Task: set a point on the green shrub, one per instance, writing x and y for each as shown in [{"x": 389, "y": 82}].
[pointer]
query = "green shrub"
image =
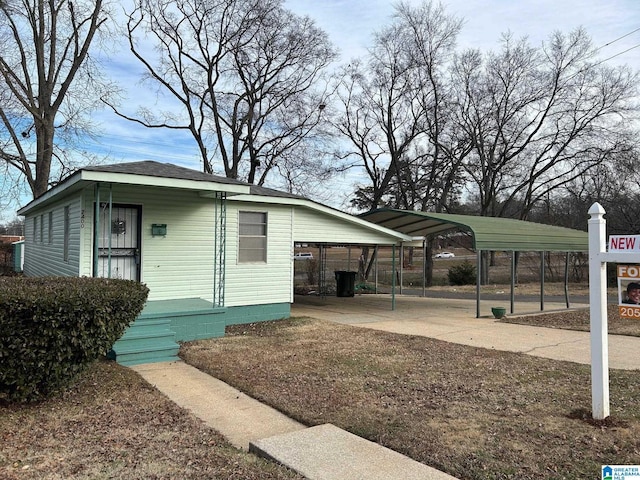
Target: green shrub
[
  {"x": 364, "y": 287},
  {"x": 51, "y": 328},
  {"x": 462, "y": 274}
]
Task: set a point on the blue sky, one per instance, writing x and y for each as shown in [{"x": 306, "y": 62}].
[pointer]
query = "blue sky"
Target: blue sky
[{"x": 350, "y": 24}]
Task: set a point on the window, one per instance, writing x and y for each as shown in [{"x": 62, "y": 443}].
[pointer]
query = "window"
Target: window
[
  {"x": 35, "y": 229},
  {"x": 50, "y": 233},
  {"x": 67, "y": 225},
  {"x": 41, "y": 228},
  {"x": 252, "y": 238}
]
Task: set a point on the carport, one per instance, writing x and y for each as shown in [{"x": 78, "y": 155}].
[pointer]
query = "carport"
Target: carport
[{"x": 490, "y": 234}]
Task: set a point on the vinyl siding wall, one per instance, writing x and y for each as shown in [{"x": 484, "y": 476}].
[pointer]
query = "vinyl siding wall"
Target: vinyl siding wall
[
  {"x": 314, "y": 226},
  {"x": 44, "y": 256},
  {"x": 260, "y": 283},
  {"x": 179, "y": 265}
]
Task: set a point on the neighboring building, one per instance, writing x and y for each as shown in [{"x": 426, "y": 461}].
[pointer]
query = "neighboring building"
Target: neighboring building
[
  {"x": 213, "y": 251},
  {"x": 10, "y": 253},
  {"x": 9, "y": 239}
]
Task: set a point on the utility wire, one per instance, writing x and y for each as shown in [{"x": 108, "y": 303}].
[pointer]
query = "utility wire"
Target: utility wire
[
  {"x": 617, "y": 39},
  {"x": 617, "y": 54}
]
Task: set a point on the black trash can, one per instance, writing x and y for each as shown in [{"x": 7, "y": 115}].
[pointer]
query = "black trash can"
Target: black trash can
[{"x": 345, "y": 283}]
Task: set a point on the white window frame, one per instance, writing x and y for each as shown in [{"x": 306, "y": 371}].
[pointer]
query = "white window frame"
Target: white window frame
[{"x": 247, "y": 254}]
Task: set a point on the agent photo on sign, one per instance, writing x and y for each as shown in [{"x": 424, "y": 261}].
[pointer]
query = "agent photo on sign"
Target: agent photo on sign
[{"x": 633, "y": 294}]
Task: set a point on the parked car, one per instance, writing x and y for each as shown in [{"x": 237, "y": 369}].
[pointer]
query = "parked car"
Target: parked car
[
  {"x": 445, "y": 255},
  {"x": 303, "y": 256}
]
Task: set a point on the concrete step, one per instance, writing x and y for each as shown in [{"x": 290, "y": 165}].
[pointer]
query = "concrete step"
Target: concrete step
[{"x": 146, "y": 341}]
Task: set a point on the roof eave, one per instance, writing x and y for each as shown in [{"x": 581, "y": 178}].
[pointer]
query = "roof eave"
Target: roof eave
[
  {"x": 83, "y": 178},
  {"x": 67, "y": 186},
  {"x": 152, "y": 181}
]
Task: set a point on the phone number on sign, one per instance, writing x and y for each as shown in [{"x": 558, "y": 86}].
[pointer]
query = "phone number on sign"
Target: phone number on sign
[{"x": 629, "y": 311}]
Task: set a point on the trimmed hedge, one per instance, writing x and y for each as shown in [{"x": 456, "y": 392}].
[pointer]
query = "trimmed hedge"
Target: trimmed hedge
[{"x": 51, "y": 328}]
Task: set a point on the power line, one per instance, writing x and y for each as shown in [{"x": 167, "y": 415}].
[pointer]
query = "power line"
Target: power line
[
  {"x": 617, "y": 39},
  {"x": 618, "y": 54}
]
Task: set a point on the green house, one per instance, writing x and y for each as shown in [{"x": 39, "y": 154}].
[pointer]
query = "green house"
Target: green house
[{"x": 213, "y": 251}]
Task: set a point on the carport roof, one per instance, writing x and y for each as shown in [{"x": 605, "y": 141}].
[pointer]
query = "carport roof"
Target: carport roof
[{"x": 489, "y": 233}]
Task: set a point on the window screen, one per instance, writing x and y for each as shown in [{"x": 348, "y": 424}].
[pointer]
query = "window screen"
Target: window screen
[
  {"x": 252, "y": 239},
  {"x": 66, "y": 234}
]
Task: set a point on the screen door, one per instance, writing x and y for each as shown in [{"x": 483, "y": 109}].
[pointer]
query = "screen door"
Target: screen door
[{"x": 119, "y": 242}]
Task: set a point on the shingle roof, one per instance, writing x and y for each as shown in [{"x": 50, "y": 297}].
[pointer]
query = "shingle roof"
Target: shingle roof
[
  {"x": 164, "y": 170},
  {"x": 168, "y": 170},
  {"x": 270, "y": 192}
]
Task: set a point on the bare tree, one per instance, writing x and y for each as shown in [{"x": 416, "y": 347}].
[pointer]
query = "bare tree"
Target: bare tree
[
  {"x": 398, "y": 116},
  {"x": 46, "y": 83},
  {"x": 246, "y": 76},
  {"x": 397, "y": 113},
  {"x": 614, "y": 184},
  {"x": 381, "y": 117},
  {"x": 434, "y": 169},
  {"x": 539, "y": 118}
]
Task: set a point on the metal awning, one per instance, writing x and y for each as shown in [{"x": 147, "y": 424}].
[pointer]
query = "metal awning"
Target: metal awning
[{"x": 489, "y": 233}]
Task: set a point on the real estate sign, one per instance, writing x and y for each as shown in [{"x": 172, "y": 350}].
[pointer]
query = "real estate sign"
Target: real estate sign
[{"x": 628, "y": 276}]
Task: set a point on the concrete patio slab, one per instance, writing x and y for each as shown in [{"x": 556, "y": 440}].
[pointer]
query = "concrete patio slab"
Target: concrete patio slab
[
  {"x": 454, "y": 320},
  {"x": 326, "y": 452}
]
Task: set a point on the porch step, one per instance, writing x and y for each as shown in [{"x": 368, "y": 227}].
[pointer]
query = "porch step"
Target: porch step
[
  {"x": 146, "y": 341},
  {"x": 151, "y": 354}
]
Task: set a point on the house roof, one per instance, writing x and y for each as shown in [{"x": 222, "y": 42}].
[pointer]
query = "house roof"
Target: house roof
[
  {"x": 165, "y": 175},
  {"x": 148, "y": 173},
  {"x": 168, "y": 170},
  {"x": 489, "y": 233},
  {"x": 153, "y": 173},
  {"x": 161, "y": 170}
]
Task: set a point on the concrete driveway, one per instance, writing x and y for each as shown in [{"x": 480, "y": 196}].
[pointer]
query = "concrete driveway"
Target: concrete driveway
[{"x": 454, "y": 320}]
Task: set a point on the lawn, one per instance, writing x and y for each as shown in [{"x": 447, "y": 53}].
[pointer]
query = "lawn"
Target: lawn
[
  {"x": 579, "y": 320},
  {"x": 471, "y": 412},
  {"x": 113, "y": 425}
]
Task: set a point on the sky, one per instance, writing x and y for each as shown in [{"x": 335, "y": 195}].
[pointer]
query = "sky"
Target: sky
[{"x": 350, "y": 24}]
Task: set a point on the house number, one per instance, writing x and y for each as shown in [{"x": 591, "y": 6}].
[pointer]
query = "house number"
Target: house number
[{"x": 82, "y": 219}]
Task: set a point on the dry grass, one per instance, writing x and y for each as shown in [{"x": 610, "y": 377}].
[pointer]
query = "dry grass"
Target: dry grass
[
  {"x": 474, "y": 413},
  {"x": 114, "y": 425},
  {"x": 579, "y": 320}
]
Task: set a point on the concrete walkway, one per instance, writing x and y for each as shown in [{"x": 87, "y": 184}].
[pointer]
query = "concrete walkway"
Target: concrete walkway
[
  {"x": 326, "y": 452},
  {"x": 239, "y": 417},
  {"x": 323, "y": 452}
]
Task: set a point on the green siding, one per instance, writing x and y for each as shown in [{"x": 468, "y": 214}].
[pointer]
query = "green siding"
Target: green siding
[
  {"x": 44, "y": 257},
  {"x": 180, "y": 264},
  {"x": 257, "y": 313},
  {"x": 18, "y": 249},
  {"x": 162, "y": 323}
]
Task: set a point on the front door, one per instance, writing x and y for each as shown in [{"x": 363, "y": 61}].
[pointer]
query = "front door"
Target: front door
[{"x": 119, "y": 242}]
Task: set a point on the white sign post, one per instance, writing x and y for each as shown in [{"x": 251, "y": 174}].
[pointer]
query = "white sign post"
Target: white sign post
[
  {"x": 598, "y": 313},
  {"x": 622, "y": 249}
]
